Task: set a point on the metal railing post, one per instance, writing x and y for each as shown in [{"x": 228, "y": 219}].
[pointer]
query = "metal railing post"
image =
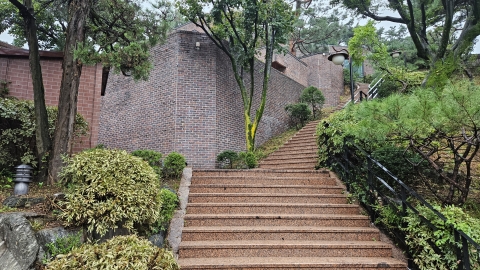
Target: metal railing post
[{"x": 371, "y": 189}]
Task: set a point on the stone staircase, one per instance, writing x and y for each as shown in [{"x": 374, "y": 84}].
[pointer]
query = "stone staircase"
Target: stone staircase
[
  {"x": 284, "y": 215},
  {"x": 299, "y": 153}
]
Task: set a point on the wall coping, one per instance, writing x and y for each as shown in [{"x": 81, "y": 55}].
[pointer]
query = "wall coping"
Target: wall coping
[{"x": 24, "y": 53}]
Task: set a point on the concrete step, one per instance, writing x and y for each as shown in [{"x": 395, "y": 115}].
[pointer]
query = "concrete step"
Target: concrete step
[
  {"x": 305, "y": 138},
  {"x": 289, "y": 156},
  {"x": 291, "y": 189},
  {"x": 293, "y": 166},
  {"x": 209, "y": 180},
  {"x": 301, "y": 143},
  {"x": 266, "y": 198},
  {"x": 271, "y": 208},
  {"x": 252, "y": 220},
  {"x": 294, "y": 153},
  {"x": 290, "y": 147},
  {"x": 280, "y": 233},
  {"x": 260, "y": 173},
  {"x": 283, "y": 248},
  {"x": 292, "y": 263},
  {"x": 275, "y": 161}
]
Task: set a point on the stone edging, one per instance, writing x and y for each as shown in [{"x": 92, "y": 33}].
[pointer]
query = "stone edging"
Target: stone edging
[{"x": 176, "y": 224}]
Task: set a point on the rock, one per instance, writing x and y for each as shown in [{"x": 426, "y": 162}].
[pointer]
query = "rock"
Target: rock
[
  {"x": 16, "y": 201},
  {"x": 18, "y": 245},
  {"x": 47, "y": 236},
  {"x": 158, "y": 239}
]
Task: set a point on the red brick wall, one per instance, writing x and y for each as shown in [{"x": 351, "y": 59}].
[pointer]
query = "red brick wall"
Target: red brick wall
[
  {"x": 326, "y": 76},
  {"x": 16, "y": 71}
]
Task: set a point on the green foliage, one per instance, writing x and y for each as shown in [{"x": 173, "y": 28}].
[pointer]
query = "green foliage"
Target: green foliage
[
  {"x": 433, "y": 123},
  {"x": 169, "y": 204},
  {"x": 173, "y": 165},
  {"x": 227, "y": 157},
  {"x": 365, "y": 40},
  {"x": 403, "y": 164},
  {"x": 6, "y": 209},
  {"x": 247, "y": 159},
  {"x": 62, "y": 245},
  {"x": 118, "y": 253},
  {"x": 4, "y": 88},
  {"x": 314, "y": 97},
  {"x": 153, "y": 158},
  {"x": 419, "y": 235},
  {"x": 318, "y": 25},
  {"x": 109, "y": 187},
  {"x": 6, "y": 179},
  {"x": 17, "y": 139},
  {"x": 299, "y": 114}
]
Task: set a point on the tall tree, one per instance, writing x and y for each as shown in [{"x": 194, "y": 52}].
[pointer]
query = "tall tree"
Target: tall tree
[
  {"x": 240, "y": 29},
  {"x": 442, "y": 31},
  {"x": 42, "y": 138},
  {"x": 117, "y": 33},
  {"x": 318, "y": 25}
]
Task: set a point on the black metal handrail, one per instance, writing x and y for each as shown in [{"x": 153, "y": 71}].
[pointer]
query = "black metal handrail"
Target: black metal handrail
[{"x": 345, "y": 165}]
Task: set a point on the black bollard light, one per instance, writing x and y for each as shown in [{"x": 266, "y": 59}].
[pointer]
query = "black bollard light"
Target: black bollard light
[{"x": 22, "y": 178}]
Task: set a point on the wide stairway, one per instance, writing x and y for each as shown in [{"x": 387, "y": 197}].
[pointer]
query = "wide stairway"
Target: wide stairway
[{"x": 277, "y": 219}]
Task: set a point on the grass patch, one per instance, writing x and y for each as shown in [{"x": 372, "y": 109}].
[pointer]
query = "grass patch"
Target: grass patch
[{"x": 273, "y": 144}]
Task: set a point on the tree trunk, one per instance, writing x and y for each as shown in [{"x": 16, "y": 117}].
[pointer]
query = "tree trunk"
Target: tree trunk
[
  {"x": 67, "y": 103},
  {"x": 42, "y": 138}
]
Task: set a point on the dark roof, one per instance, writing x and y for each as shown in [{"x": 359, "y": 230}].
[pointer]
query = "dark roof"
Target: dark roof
[
  {"x": 6, "y": 45},
  {"x": 19, "y": 52}
]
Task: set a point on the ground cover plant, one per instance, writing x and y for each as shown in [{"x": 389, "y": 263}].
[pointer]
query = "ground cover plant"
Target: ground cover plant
[{"x": 118, "y": 253}]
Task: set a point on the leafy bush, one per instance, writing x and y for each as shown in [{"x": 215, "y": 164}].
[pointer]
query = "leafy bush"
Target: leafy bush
[
  {"x": 173, "y": 165},
  {"x": 405, "y": 165},
  {"x": 248, "y": 160},
  {"x": 299, "y": 114},
  {"x": 314, "y": 97},
  {"x": 419, "y": 235},
  {"x": 62, "y": 245},
  {"x": 437, "y": 124},
  {"x": 153, "y": 158},
  {"x": 107, "y": 188},
  {"x": 118, "y": 253},
  {"x": 6, "y": 179},
  {"x": 17, "y": 139},
  {"x": 169, "y": 204},
  {"x": 227, "y": 157}
]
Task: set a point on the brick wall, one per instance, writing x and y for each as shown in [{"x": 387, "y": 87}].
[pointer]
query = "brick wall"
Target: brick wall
[
  {"x": 15, "y": 70},
  {"x": 141, "y": 115},
  {"x": 326, "y": 76},
  {"x": 190, "y": 104}
]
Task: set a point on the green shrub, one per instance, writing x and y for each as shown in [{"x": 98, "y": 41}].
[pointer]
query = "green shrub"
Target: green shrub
[
  {"x": 107, "y": 188},
  {"x": 6, "y": 179},
  {"x": 153, "y": 158},
  {"x": 17, "y": 139},
  {"x": 62, "y": 245},
  {"x": 299, "y": 114},
  {"x": 419, "y": 235},
  {"x": 169, "y": 204},
  {"x": 314, "y": 97},
  {"x": 227, "y": 157},
  {"x": 173, "y": 165},
  {"x": 248, "y": 159},
  {"x": 405, "y": 165},
  {"x": 118, "y": 253}
]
